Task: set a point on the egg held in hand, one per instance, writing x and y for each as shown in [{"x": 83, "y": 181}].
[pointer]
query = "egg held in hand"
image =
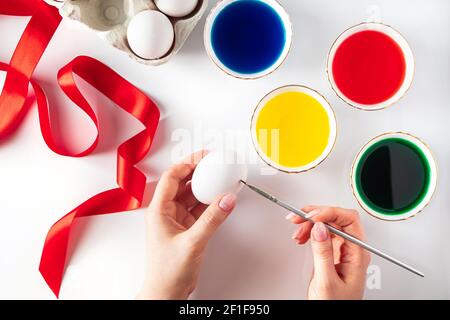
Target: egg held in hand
[
  {"x": 150, "y": 34},
  {"x": 218, "y": 173}
]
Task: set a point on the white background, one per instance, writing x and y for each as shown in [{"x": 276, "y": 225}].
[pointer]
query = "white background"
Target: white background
[{"x": 252, "y": 256}]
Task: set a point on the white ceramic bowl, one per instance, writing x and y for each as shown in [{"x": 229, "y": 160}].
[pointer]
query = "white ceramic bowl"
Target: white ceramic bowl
[
  {"x": 331, "y": 117},
  {"x": 407, "y": 53},
  {"x": 209, "y": 49},
  {"x": 432, "y": 183}
]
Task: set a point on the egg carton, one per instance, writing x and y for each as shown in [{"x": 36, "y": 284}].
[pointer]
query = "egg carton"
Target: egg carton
[{"x": 110, "y": 19}]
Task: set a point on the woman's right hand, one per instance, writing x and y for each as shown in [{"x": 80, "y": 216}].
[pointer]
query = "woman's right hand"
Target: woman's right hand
[{"x": 339, "y": 266}]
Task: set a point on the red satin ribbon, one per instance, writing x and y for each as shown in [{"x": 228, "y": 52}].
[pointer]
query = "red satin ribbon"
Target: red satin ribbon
[{"x": 131, "y": 182}]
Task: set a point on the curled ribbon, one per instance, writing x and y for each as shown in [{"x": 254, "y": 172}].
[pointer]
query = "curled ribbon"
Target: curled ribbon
[{"x": 131, "y": 181}]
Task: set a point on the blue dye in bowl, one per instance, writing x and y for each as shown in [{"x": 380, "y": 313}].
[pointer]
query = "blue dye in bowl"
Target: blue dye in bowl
[{"x": 248, "y": 36}]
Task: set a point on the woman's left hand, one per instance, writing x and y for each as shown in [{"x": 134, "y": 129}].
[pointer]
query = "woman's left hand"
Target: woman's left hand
[{"x": 179, "y": 229}]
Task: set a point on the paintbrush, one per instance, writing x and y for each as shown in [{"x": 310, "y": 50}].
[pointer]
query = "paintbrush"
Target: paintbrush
[{"x": 334, "y": 230}]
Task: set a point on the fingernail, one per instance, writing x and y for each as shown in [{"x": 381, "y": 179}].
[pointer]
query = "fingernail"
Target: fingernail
[
  {"x": 319, "y": 232},
  {"x": 297, "y": 232},
  {"x": 290, "y": 216},
  {"x": 227, "y": 202},
  {"x": 313, "y": 213}
]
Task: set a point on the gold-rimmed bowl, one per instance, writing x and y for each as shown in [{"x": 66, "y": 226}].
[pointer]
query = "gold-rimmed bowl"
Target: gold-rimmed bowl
[
  {"x": 425, "y": 198},
  {"x": 281, "y": 12},
  {"x": 331, "y": 120},
  {"x": 401, "y": 42}
]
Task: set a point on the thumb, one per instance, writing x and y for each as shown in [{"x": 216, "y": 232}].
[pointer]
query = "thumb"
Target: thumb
[
  {"x": 322, "y": 249},
  {"x": 211, "y": 219}
]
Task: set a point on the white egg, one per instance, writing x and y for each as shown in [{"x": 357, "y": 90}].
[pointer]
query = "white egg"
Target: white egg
[
  {"x": 176, "y": 8},
  {"x": 150, "y": 34},
  {"x": 218, "y": 173}
]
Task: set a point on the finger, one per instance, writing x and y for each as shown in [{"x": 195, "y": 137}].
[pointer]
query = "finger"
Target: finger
[
  {"x": 347, "y": 220},
  {"x": 170, "y": 181},
  {"x": 310, "y": 208},
  {"x": 210, "y": 220},
  {"x": 297, "y": 232},
  {"x": 195, "y": 157},
  {"x": 184, "y": 185},
  {"x": 198, "y": 210},
  {"x": 180, "y": 213},
  {"x": 337, "y": 249},
  {"x": 296, "y": 219},
  {"x": 168, "y": 185},
  {"x": 322, "y": 248},
  {"x": 189, "y": 221},
  {"x": 187, "y": 198},
  {"x": 305, "y": 236},
  {"x": 301, "y": 234}
]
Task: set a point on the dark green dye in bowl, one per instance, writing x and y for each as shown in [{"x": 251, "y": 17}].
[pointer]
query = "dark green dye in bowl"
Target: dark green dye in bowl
[{"x": 392, "y": 176}]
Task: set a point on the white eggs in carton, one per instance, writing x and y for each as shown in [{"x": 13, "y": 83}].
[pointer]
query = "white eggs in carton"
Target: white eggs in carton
[{"x": 151, "y": 32}]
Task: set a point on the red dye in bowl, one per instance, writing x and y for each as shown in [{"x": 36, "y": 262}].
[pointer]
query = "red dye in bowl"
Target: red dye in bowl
[{"x": 369, "y": 67}]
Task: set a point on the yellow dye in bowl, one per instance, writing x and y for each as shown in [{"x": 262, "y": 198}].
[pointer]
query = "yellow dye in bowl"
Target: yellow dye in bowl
[{"x": 293, "y": 128}]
